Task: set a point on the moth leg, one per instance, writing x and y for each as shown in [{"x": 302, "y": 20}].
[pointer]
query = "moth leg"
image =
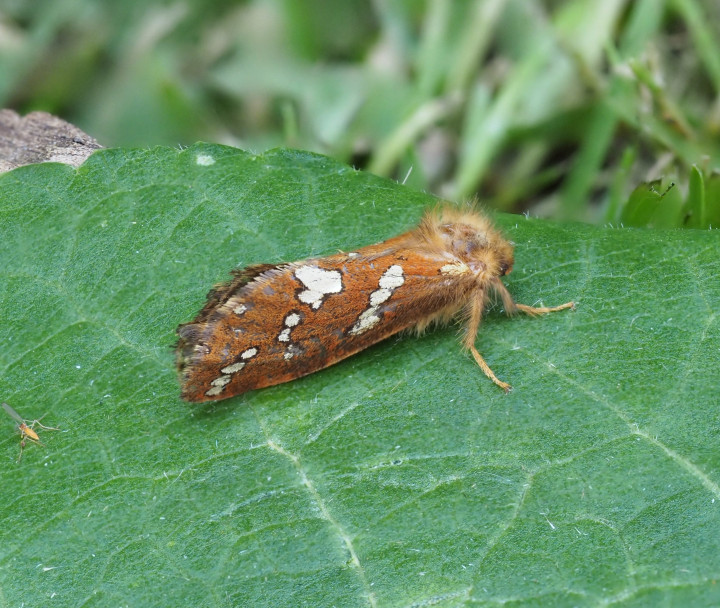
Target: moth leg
[
  {"x": 473, "y": 324},
  {"x": 511, "y": 307},
  {"x": 488, "y": 372},
  {"x": 541, "y": 310}
]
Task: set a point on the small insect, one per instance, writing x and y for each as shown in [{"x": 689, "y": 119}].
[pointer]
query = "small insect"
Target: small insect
[
  {"x": 275, "y": 323},
  {"x": 26, "y": 432}
]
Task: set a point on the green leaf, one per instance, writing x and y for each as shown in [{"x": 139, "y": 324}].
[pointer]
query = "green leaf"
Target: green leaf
[
  {"x": 712, "y": 199},
  {"x": 702, "y": 207},
  {"x": 656, "y": 204},
  {"x": 695, "y": 203},
  {"x": 401, "y": 476}
]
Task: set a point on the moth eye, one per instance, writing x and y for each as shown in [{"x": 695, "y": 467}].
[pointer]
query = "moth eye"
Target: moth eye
[
  {"x": 471, "y": 246},
  {"x": 505, "y": 268}
]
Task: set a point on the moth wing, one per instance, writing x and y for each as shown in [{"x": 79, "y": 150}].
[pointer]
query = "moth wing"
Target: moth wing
[
  {"x": 289, "y": 321},
  {"x": 221, "y": 292}
]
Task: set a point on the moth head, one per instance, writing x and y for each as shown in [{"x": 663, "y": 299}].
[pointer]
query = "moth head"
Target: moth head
[
  {"x": 500, "y": 257},
  {"x": 505, "y": 267},
  {"x": 479, "y": 245}
]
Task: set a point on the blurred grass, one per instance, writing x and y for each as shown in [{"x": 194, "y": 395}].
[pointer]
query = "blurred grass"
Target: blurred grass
[{"x": 578, "y": 110}]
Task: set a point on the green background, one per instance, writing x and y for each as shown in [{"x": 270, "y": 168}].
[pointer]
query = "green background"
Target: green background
[
  {"x": 399, "y": 477},
  {"x": 558, "y": 107}
]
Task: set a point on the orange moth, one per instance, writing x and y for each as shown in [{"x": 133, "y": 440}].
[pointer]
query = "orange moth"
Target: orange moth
[
  {"x": 275, "y": 323},
  {"x": 26, "y": 432}
]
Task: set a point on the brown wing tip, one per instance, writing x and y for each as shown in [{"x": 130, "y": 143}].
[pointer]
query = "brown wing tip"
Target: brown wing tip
[{"x": 187, "y": 352}]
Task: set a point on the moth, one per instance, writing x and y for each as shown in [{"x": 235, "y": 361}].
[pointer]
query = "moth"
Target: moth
[
  {"x": 274, "y": 323},
  {"x": 26, "y": 432}
]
